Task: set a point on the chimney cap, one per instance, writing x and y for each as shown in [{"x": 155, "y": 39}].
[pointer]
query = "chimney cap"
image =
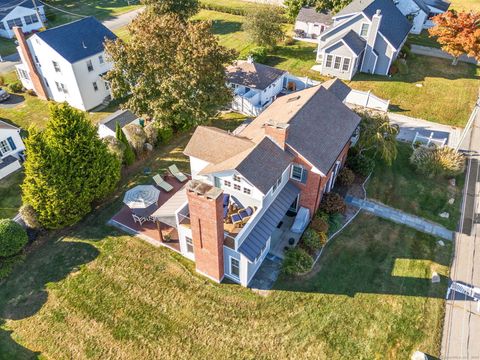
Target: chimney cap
[
  {"x": 202, "y": 189},
  {"x": 378, "y": 12},
  {"x": 277, "y": 125}
]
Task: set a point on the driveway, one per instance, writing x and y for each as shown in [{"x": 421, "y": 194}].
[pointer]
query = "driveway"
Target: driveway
[
  {"x": 429, "y": 51},
  {"x": 116, "y": 23}
]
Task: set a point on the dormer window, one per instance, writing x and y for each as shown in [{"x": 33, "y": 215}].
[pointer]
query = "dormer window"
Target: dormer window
[
  {"x": 364, "y": 30},
  {"x": 89, "y": 66}
]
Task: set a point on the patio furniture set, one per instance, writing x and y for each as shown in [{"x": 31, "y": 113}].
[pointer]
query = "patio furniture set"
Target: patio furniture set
[
  {"x": 233, "y": 214},
  {"x": 143, "y": 199}
]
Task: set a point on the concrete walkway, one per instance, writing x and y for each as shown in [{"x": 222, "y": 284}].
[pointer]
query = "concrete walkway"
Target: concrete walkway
[
  {"x": 116, "y": 23},
  {"x": 439, "y": 53},
  {"x": 400, "y": 217},
  {"x": 409, "y": 126}
]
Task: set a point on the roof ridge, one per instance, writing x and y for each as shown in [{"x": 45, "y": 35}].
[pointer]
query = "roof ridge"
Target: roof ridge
[{"x": 69, "y": 23}]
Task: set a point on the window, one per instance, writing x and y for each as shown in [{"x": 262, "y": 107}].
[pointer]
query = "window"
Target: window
[
  {"x": 2, "y": 25},
  {"x": 89, "y": 66},
  {"x": 100, "y": 59},
  {"x": 14, "y": 22},
  {"x": 338, "y": 60},
  {"x": 189, "y": 244},
  {"x": 107, "y": 86},
  {"x": 247, "y": 191},
  {"x": 36, "y": 60},
  {"x": 4, "y": 147},
  {"x": 95, "y": 86},
  {"x": 346, "y": 64},
  {"x": 237, "y": 187},
  {"x": 236, "y": 178},
  {"x": 23, "y": 74},
  {"x": 299, "y": 173},
  {"x": 46, "y": 82},
  {"x": 364, "y": 30},
  {"x": 56, "y": 66},
  {"x": 328, "y": 63},
  {"x": 234, "y": 267},
  {"x": 227, "y": 183},
  {"x": 31, "y": 19},
  {"x": 61, "y": 87},
  {"x": 277, "y": 184}
]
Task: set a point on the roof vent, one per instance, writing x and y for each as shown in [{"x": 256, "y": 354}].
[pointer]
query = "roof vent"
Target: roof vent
[
  {"x": 295, "y": 98},
  {"x": 83, "y": 44}
]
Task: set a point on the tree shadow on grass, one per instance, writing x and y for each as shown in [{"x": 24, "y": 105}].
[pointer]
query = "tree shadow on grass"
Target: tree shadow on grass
[
  {"x": 222, "y": 27},
  {"x": 10, "y": 349}
]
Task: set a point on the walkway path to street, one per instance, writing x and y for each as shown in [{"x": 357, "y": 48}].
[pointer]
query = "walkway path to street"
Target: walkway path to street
[
  {"x": 439, "y": 53},
  {"x": 113, "y": 24},
  {"x": 400, "y": 217}
]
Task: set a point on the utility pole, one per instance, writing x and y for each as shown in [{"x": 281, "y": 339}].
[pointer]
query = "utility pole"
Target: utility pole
[{"x": 38, "y": 13}]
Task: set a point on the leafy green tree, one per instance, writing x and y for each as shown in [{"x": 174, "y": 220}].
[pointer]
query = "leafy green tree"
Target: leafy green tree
[
  {"x": 334, "y": 5},
  {"x": 264, "y": 25},
  {"x": 13, "y": 237},
  {"x": 128, "y": 153},
  {"x": 294, "y": 6},
  {"x": 378, "y": 136},
  {"x": 184, "y": 9},
  {"x": 67, "y": 168},
  {"x": 171, "y": 71}
]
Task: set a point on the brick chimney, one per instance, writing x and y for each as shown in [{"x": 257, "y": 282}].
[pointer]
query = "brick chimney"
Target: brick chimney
[
  {"x": 278, "y": 132},
  {"x": 35, "y": 77},
  {"x": 205, "y": 203}
]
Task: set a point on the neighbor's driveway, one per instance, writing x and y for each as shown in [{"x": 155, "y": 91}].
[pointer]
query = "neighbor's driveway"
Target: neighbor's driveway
[{"x": 439, "y": 53}]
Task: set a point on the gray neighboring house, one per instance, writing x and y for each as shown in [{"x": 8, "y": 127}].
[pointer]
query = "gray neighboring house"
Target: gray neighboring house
[
  {"x": 420, "y": 12},
  {"x": 310, "y": 23},
  {"x": 366, "y": 36}
]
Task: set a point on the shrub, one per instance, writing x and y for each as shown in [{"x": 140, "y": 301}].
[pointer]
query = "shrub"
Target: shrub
[
  {"x": 332, "y": 203},
  {"x": 29, "y": 216},
  {"x": 288, "y": 41},
  {"x": 31, "y": 92},
  {"x": 13, "y": 238},
  {"x": 360, "y": 164},
  {"x": 438, "y": 161},
  {"x": 136, "y": 137},
  {"x": 165, "y": 134},
  {"x": 2, "y": 81},
  {"x": 402, "y": 66},
  {"x": 152, "y": 133},
  {"x": 15, "y": 87},
  {"x": 259, "y": 54},
  {"x": 346, "y": 177},
  {"x": 335, "y": 222},
  {"x": 115, "y": 147},
  {"x": 296, "y": 261},
  {"x": 320, "y": 224},
  {"x": 311, "y": 240}
]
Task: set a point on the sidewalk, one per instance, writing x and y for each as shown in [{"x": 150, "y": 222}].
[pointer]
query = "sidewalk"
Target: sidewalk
[
  {"x": 401, "y": 217},
  {"x": 429, "y": 51}
]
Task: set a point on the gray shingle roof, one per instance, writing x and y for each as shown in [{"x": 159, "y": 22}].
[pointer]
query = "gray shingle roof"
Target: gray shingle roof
[
  {"x": 77, "y": 40},
  {"x": 421, "y": 4},
  {"x": 321, "y": 128},
  {"x": 338, "y": 88},
  {"x": 354, "y": 42},
  {"x": 6, "y": 6},
  {"x": 439, "y": 4},
  {"x": 252, "y": 74},
  {"x": 123, "y": 117},
  {"x": 256, "y": 241},
  {"x": 7, "y": 161},
  {"x": 394, "y": 26},
  {"x": 311, "y": 15}
]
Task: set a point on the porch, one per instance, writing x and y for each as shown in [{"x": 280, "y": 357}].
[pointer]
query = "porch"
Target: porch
[{"x": 282, "y": 237}]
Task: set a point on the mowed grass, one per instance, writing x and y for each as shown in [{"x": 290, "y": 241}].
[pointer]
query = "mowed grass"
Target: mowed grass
[
  {"x": 401, "y": 187},
  {"x": 10, "y": 194},
  {"x": 465, "y": 5},
  {"x": 97, "y": 293},
  {"x": 7, "y": 46},
  {"x": 447, "y": 93}
]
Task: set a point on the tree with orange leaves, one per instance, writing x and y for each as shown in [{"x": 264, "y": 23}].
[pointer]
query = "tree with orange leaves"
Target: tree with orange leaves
[{"x": 458, "y": 33}]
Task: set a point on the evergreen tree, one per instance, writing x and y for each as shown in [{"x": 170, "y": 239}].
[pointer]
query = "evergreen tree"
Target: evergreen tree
[
  {"x": 128, "y": 154},
  {"x": 68, "y": 168}
]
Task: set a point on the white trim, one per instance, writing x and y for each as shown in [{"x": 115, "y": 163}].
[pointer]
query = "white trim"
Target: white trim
[
  {"x": 324, "y": 34},
  {"x": 230, "y": 268},
  {"x": 368, "y": 29}
]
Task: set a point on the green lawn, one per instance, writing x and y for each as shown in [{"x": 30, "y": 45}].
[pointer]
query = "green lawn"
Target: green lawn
[
  {"x": 401, "y": 187},
  {"x": 97, "y": 293},
  {"x": 423, "y": 39},
  {"x": 10, "y": 196},
  {"x": 7, "y": 47}
]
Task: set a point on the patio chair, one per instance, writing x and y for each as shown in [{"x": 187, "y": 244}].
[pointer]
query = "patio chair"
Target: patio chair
[
  {"x": 246, "y": 214},
  {"x": 236, "y": 219},
  {"x": 138, "y": 219},
  {"x": 161, "y": 183},
  {"x": 177, "y": 173}
]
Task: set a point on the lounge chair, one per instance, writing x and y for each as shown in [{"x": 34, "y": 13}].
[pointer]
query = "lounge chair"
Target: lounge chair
[
  {"x": 161, "y": 183},
  {"x": 246, "y": 214},
  {"x": 138, "y": 219},
  {"x": 236, "y": 219},
  {"x": 177, "y": 173}
]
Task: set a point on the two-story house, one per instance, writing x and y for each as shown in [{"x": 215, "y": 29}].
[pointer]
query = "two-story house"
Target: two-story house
[
  {"x": 11, "y": 149},
  {"x": 419, "y": 12},
  {"x": 21, "y": 13},
  {"x": 66, "y": 63},
  {"x": 254, "y": 85},
  {"x": 366, "y": 36},
  {"x": 287, "y": 158}
]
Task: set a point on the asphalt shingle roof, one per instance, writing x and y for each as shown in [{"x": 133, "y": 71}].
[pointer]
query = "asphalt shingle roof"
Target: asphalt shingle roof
[
  {"x": 338, "y": 88},
  {"x": 77, "y": 40},
  {"x": 421, "y": 4},
  {"x": 394, "y": 26},
  {"x": 439, "y": 4},
  {"x": 122, "y": 117},
  {"x": 354, "y": 42},
  {"x": 252, "y": 74},
  {"x": 6, "y": 6},
  {"x": 311, "y": 15}
]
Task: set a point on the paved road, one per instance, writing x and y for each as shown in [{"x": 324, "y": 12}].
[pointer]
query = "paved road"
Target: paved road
[
  {"x": 113, "y": 24},
  {"x": 429, "y": 51},
  {"x": 461, "y": 334},
  {"x": 400, "y": 217}
]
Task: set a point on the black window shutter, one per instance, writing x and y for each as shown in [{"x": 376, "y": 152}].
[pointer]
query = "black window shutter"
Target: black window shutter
[{"x": 12, "y": 143}]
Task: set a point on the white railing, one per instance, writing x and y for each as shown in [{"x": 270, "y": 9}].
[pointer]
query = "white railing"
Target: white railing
[
  {"x": 367, "y": 100},
  {"x": 244, "y": 106}
]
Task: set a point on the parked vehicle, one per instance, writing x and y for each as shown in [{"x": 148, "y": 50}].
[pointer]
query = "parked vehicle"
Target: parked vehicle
[{"x": 4, "y": 95}]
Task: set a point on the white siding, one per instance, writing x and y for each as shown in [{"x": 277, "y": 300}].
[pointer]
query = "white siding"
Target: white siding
[
  {"x": 7, "y": 170},
  {"x": 21, "y": 12},
  {"x": 15, "y": 135},
  {"x": 408, "y": 7},
  {"x": 104, "y": 131}
]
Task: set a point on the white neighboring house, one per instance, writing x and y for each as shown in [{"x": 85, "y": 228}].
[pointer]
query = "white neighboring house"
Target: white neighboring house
[
  {"x": 20, "y": 13},
  {"x": 66, "y": 63},
  {"x": 123, "y": 117},
  {"x": 255, "y": 86},
  {"x": 419, "y": 12},
  {"x": 310, "y": 23},
  {"x": 11, "y": 149}
]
